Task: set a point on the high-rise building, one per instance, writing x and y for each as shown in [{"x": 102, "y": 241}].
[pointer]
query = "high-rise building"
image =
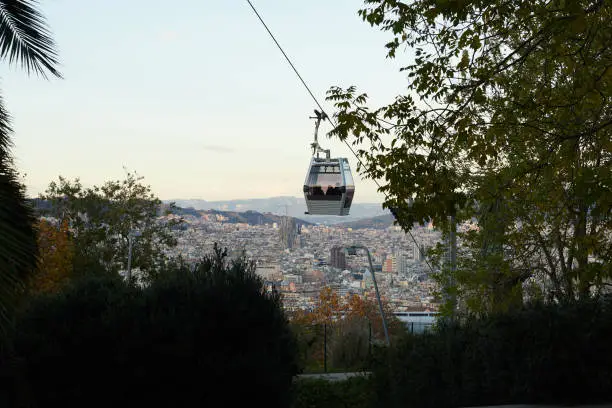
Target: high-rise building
[
  {"x": 402, "y": 264},
  {"x": 388, "y": 265},
  {"x": 422, "y": 253},
  {"x": 299, "y": 238},
  {"x": 288, "y": 232},
  {"x": 338, "y": 257}
]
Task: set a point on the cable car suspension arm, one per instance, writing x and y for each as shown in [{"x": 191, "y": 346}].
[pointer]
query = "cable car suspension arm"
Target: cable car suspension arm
[{"x": 316, "y": 148}]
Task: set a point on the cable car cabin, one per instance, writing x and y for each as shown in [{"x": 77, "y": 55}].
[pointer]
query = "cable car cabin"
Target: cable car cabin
[{"x": 329, "y": 187}]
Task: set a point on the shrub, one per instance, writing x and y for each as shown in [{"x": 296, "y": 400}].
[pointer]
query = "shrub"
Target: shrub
[
  {"x": 207, "y": 337},
  {"x": 349, "y": 344},
  {"x": 549, "y": 354},
  {"x": 346, "y": 342},
  {"x": 310, "y": 344},
  {"x": 354, "y": 392}
]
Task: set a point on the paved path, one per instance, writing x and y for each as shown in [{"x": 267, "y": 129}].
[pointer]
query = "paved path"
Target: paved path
[{"x": 333, "y": 376}]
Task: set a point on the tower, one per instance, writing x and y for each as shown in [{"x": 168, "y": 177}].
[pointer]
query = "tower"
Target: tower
[
  {"x": 338, "y": 257},
  {"x": 288, "y": 232}
]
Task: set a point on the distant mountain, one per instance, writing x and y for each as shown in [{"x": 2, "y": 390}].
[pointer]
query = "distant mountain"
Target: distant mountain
[
  {"x": 292, "y": 206},
  {"x": 235, "y": 217},
  {"x": 380, "y": 222},
  {"x": 246, "y": 217}
]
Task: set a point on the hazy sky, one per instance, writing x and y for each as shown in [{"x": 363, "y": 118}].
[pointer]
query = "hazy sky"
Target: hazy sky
[{"x": 195, "y": 96}]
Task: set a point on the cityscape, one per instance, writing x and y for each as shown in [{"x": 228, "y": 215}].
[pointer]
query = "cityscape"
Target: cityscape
[{"x": 300, "y": 258}]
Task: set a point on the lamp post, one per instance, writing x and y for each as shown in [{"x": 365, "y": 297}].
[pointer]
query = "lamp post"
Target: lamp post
[
  {"x": 352, "y": 251},
  {"x": 132, "y": 234}
]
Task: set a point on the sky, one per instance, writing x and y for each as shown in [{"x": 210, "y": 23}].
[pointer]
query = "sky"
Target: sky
[{"x": 196, "y": 97}]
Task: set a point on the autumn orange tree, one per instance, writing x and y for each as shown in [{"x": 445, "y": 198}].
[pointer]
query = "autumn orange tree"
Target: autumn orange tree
[
  {"x": 328, "y": 309},
  {"x": 331, "y": 307},
  {"x": 367, "y": 308},
  {"x": 56, "y": 254},
  {"x": 311, "y": 327},
  {"x": 345, "y": 324}
]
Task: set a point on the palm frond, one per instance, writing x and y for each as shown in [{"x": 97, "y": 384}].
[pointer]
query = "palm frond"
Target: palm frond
[
  {"x": 18, "y": 249},
  {"x": 25, "y": 39},
  {"x": 5, "y": 134}
]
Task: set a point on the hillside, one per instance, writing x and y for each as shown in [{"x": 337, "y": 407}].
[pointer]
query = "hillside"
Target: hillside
[
  {"x": 380, "y": 222},
  {"x": 236, "y": 217},
  {"x": 292, "y": 206},
  {"x": 232, "y": 217}
]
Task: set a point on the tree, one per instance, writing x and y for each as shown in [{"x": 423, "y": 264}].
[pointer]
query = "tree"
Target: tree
[
  {"x": 343, "y": 327},
  {"x": 356, "y": 306},
  {"x": 101, "y": 219},
  {"x": 184, "y": 340},
  {"x": 332, "y": 308},
  {"x": 507, "y": 120},
  {"x": 24, "y": 39},
  {"x": 56, "y": 253},
  {"x": 329, "y": 307}
]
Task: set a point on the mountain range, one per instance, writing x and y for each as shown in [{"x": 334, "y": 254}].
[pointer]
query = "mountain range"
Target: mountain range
[
  {"x": 291, "y": 206},
  {"x": 270, "y": 210},
  {"x": 234, "y": 217}
]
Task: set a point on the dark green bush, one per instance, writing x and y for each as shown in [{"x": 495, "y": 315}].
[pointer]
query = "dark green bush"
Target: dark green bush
[
  {"x": 346, "y": 343},
  {"x": 209, "y": 337},
  {"x": 551, "y": 354},
  {"x": 355, "y": 392}
]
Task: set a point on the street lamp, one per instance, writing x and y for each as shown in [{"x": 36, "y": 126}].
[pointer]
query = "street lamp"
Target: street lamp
[
  {"x": 132, "y": 234},
  {"x": 352, "y": 250}
]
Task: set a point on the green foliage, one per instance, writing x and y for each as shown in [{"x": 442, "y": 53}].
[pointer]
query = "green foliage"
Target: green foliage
[
  {"x": 506, "y": 120},
  {"x": 189, "y": 339},
  {"x": 355, "y": 392},
  {"x": 350, "y": 346},
  {"x": 101, "y": 219},
  {"x": 24, "y": 38},
  {"x": 310, "y": 346},
  {"x": 541, "y": 354},
  {"x": 18, "y": 247},
  {"x": 346, "y": 342}
]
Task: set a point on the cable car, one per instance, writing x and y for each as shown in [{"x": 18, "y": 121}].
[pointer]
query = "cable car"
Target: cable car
[{"x": 329, "y": 186}]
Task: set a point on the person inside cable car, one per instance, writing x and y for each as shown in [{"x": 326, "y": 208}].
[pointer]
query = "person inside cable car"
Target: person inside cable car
[
  {"x": 334, "y": 191},
  {"x": 316, "y": 191},
  {"x": 337, "y": 189}
]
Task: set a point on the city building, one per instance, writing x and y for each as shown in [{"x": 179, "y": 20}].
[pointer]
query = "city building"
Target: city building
[
  {"x": 338, "y": 257},
  {"x": 288, "y": 232},
  {"x": 269, "y": 272}
]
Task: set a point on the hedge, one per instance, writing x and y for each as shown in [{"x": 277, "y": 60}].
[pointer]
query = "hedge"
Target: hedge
[
  {"x": 203, "y": 338},
  {"x": 548, "y": 354}
]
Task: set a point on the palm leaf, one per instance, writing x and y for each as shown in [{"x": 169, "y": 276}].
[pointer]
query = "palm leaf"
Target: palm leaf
[
  {"x": 18, "y": 251},
  {"x": 25, "y": 39}
]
